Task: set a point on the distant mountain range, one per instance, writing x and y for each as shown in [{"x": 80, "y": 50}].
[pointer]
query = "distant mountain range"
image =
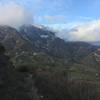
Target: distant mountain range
[{"x": 97, "y": 43}]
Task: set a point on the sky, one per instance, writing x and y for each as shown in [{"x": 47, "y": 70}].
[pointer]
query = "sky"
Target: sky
[{"x": 79, "y": 19}]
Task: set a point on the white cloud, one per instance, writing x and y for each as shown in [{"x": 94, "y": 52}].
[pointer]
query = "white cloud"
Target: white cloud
[
  {"x": 14, "y": 15},
  {"x": 87, "y": 32}
]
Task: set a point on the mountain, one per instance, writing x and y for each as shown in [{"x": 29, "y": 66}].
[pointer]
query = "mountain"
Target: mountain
[
  {"x": 97, "y": 43},
  {"x": 11, "y": 38},
  {"x": 22, "y": 43},
  {"x": 46, "y": 41},
  {"x": 43, "y": 66}
]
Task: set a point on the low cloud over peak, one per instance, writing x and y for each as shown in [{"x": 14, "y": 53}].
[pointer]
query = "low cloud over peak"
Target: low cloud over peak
[
  {"x": 14, "y": 15},
  {"x": 89, "y": 31}
]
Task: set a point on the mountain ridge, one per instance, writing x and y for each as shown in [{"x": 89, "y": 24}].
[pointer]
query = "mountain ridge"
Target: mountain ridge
[{"x": 25, "y": 43}]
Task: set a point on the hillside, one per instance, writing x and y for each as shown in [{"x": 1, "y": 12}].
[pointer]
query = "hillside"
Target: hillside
[
  {"x": 38, "y": 84},
  {"x": 14, "y": 85},
  {"x": 23, "y": 43},
  {"x": 39, "y": 47},
  {"x": 43, "y": 66}
]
